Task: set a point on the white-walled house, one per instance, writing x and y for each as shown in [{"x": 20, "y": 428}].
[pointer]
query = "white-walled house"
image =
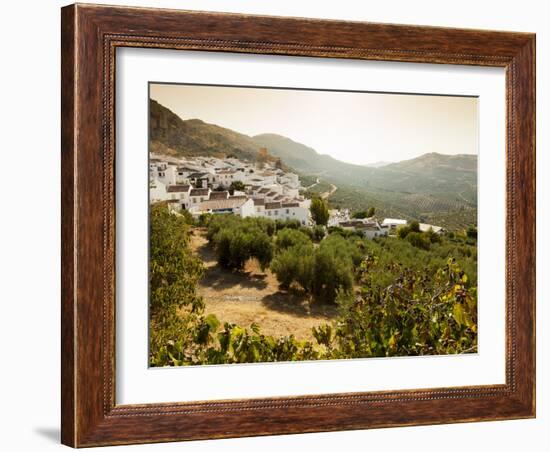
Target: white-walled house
[
  {"x": 368, "y": 227},
  {"x": 218, "y": 195},
  {"x": 237, "y": 205},
  {"x": 268, "y": 177},
  {"x": 188, "y": 183},
  {"x": 287, "y": 211},
  {"x": 337, "y": 216},
  {"x": 393, "y": 223},
  {"x": 259, "y": 207},
  {"x": 198, "y": 195},
  {"x": 157, "y": 191},
  {"x": 426, "y": 227},
  {"x": 295, "y": 211},
  {"x": 225, "y": 177},
  {"x": 201, "y": 179},
  {"x": 182, "y": 175},
  {"x": 290, "y": 179},
  {"x": 164, "y": 172},
  {"x": 180, "y": 193},
  {"x": 291, "y": 192}
]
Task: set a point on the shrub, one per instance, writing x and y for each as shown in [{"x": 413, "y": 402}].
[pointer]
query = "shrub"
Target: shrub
[
  {"x": 414, "y": 226},
  {"x": 360, "y": 214},
  {"x": 331, "y": 274},
  {"x": 432, "y": 236},
  {"x": 471, "y": 232},
  {"x": 290, "y": 237},
  {"x": 410, "y": 302},
  {"x": 234, "y": 246},
  {"x": 419, "y": 240},
  {"x": 415, "y": 315},
  {"x": 318, "y": 233},
  {"x": 236, "y": 185}
]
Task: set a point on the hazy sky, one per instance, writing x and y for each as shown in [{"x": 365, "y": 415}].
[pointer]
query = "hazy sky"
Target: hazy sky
[{"x": 353, "y": 127}]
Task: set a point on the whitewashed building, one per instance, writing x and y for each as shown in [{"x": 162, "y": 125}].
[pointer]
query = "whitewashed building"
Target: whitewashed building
[
  {"x": 164, "y": 172},
  {"x": 367, "y": 227},
  {"x": 198, "y": 195},
  {"x": 179, "y": 193},
  {"x": 237, "y": 205},
  {"x": 157, "y": 191},
  {"x": 426, "y": 227},
  {"x": 287, "y": 211},
  {"x": 393, "y": 223}
]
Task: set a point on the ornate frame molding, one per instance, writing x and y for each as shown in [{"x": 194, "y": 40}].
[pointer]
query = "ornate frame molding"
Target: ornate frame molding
[{"x": 90, "y": 37}]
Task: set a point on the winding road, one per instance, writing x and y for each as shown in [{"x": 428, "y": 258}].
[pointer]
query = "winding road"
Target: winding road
[{"x": 326, "y": 194}]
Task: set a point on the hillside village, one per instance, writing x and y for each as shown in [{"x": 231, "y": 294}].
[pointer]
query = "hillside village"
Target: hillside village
[{"x": 206, "y": 185}]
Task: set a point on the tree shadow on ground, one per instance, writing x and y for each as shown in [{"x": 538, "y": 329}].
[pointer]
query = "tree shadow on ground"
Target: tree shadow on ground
[
  {"x": 218, "y": 278},
  {"x": 206, "y": 252},
  {"x": 298, "y": 305}
]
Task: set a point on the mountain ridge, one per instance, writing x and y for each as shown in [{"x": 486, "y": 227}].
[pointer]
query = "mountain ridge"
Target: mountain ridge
[
  {"x": 433, "y": 186},
  {"x": 171, "y": 135}
]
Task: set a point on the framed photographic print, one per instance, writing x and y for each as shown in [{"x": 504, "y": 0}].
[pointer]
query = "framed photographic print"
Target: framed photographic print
[{"x": 281, "y": 225}]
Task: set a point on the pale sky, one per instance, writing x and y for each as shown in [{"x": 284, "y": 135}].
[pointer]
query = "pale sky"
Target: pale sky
[{"x": 353, "y": 127}]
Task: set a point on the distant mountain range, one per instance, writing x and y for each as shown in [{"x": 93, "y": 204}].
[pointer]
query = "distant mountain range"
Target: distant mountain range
[
  {"x": 376, "y": 164},
  {"x": 428, "y": 173},
  {"x": 432, "y": 176},
  {"x": 170, "y": 135}
]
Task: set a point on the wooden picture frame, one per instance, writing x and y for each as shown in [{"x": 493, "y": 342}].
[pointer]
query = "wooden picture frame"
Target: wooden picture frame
[{"x": 90, "y": 36}]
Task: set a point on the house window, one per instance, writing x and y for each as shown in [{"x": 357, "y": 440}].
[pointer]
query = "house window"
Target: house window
[
  {"x": 194, "y": 200},
  {"x": 269, "y": 212},
  {"x": 287, "y": 211}
]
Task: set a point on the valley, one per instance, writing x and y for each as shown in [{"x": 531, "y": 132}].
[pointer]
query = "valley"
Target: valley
[{"x": 433, "y": 188}]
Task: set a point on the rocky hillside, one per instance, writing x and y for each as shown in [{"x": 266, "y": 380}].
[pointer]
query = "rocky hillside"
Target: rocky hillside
[{"x": 170, "y": 135}]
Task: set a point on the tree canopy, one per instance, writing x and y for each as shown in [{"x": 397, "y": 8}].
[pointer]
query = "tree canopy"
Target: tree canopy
[{"x": 319, "y": 211}]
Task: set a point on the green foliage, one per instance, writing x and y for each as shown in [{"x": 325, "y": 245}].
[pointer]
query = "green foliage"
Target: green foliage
[
  {"x": 319, "y": 211},
  {"x": 432, "y": 237},
  {"x": 288, "y": 238},
  {"x": 235, "y": 246},
  {"x": 445, "y": 209},
  {"x": 333, "y": 270},
  {"x": 419, "y": 240},
  {"x": 471, "y": 232},
  {"x": 293, "y": 264},
  {"x": 318, "y": 233},
  {"x": 360, "y": 214},
  {"x": 290, "y": 224},
  {"x": 394, "y": 298},
  {"x": 173, "y": 274},
  {"x": 364, "y": 213},
  {"x": 236, "y": 185},
  {"x": 415, "y": 315},
  {"x": 321, "y": 271}
]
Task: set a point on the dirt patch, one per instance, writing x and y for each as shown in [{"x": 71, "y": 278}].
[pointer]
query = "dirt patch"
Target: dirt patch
[{"x": 253, "y": 296}]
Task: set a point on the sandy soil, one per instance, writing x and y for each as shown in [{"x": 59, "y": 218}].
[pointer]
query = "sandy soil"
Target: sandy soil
[{"x": 254, "y": 296}]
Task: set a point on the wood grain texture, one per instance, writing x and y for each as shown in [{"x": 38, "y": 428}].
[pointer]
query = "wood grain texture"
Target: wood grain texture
[{"x": 90, "y": 36}]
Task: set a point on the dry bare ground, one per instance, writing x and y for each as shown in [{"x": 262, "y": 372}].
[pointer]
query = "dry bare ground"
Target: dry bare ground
[{"x": 253, "y": 296}]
